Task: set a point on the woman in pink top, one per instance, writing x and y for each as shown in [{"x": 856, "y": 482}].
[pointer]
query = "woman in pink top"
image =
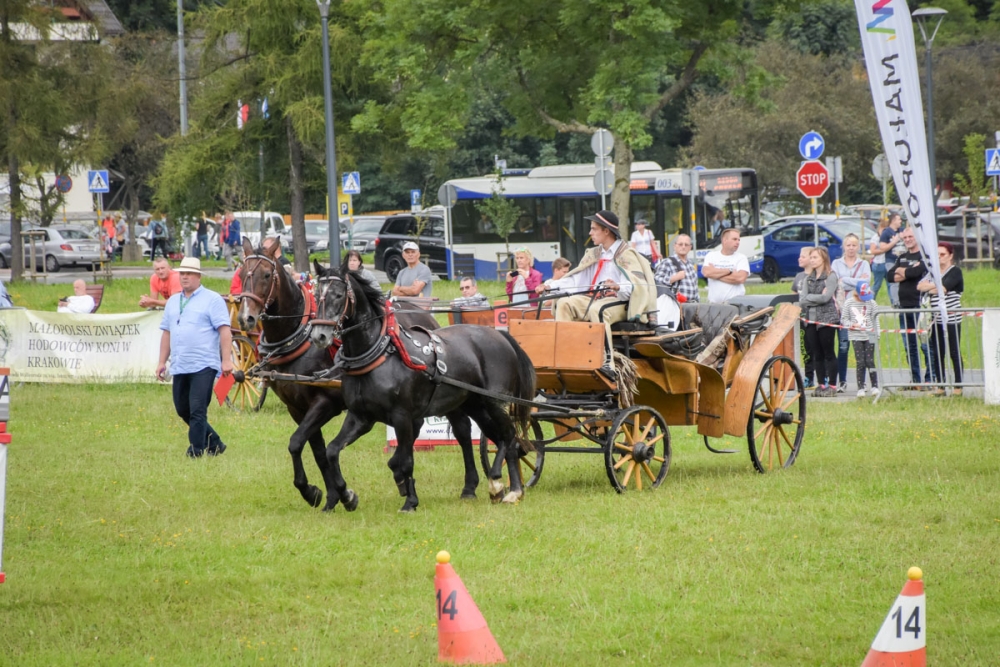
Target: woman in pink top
[{"x": 524, "y": 278}]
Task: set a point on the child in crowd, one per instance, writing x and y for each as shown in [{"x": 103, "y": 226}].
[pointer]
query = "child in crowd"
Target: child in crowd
[
  {"x": 860, "y": 316},
  {"x": 560, "y": 267}
]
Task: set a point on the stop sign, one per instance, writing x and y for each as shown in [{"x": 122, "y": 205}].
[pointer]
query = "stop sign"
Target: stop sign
[{"x": 812, "y": 179}]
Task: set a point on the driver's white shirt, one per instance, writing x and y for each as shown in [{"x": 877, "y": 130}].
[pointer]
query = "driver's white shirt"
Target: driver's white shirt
[{"x": 582, "y": 281}]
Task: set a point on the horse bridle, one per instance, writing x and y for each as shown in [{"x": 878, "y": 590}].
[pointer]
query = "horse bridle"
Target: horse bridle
[
  {"x": 325, "y": 283},
  {"x": 248, "y": 283}
]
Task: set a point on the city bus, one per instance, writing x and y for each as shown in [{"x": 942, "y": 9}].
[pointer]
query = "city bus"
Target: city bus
[{"x": 555, "y": 200}]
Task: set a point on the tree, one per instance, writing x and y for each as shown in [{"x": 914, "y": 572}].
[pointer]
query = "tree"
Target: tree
[
  {"x": 255, "y": 50},
  {"x": 562, "y": 67},
  {"x": 500, "y": 211},
  {"x": 49, "y": 105},
  {"x": 974, "y": 184}
]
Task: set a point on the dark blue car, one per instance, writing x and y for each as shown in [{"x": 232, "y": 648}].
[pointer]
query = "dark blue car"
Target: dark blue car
[{"x": 783, "y": 243}]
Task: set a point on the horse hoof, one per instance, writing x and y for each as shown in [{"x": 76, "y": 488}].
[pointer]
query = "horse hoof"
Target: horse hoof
[
  {"x": 329, "y": 507},
  {"x": 351, "y": 502},
  {"x": 406, "y": 509},
  {"x": 496, "y": 490},
  {"x": 317, "y": 496},
  {"x": 512, "y": 498},
  {"x": 471, "y": 495}
]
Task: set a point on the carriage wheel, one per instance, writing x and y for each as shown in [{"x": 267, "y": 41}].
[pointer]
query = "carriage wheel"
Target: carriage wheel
[
  {"x": 638, "y": 449},
  {"x": 529, "y": 462},
  {"x": 778, "y": 419},
  {"x": 250, "y": 394}
]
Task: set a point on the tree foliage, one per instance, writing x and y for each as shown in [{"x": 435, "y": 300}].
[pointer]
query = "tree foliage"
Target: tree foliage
[{"x": 561, "y": 67}]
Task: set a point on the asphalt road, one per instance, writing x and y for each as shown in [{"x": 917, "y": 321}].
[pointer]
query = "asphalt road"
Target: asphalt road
[{"x": 70, "y": 274}]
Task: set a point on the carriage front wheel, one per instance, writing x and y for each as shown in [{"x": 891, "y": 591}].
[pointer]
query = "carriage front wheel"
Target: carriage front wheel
[
  {"x": 249, "y": 394},
  {"x": 777, "y": 421},
  {"x": 637, "y": 452}
]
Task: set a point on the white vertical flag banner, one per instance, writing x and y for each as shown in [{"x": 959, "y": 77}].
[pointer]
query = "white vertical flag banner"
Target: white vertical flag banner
[{"x": 891, "y": 58}]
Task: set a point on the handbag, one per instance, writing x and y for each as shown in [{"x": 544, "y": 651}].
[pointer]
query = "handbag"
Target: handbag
[{"x": 654, "y": 253}]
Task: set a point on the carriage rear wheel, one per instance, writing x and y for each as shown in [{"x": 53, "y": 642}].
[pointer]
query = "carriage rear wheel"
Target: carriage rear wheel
[
  {"x": 777, "y": 421},
  {"x": 249, "y": 394},
  {"x": 530, "y": 463},
  {"x": 637, "y": 452}
]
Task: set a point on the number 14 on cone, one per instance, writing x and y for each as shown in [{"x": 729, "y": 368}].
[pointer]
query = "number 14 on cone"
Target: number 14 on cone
[{"x": 463, "y": 636}]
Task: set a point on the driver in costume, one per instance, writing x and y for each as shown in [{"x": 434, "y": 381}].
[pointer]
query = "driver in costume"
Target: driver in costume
[{"x": 620, "y": 276}]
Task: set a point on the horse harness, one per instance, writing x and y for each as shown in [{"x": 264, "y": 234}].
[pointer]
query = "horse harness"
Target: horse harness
[
  {"x": 390, "y": 341},
  {"x": 291, "y": 348}
]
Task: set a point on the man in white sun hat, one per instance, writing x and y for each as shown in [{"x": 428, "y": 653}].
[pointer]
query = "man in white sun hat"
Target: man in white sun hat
[
  {"x": 197, "y": 338},
  {"x": 415, "y": 279}
]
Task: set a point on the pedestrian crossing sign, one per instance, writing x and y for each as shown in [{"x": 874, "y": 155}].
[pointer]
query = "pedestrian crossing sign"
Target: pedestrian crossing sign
[
  {"x": 97, "y": 181},
  {"x": 993, "y": 161},
  {"x": 352, "y": 183}
]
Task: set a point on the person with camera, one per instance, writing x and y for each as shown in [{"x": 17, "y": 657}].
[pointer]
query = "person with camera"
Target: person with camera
[
  {"x": 80, "y": 302},
  {"x": 524, "y": 278}
]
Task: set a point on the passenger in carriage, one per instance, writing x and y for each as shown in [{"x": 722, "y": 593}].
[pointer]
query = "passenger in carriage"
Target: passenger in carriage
[{"x": 560, "y": 267}]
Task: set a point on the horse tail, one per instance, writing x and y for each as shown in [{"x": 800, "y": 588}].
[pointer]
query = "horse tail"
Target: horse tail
[{"x": 525, "y": 390}]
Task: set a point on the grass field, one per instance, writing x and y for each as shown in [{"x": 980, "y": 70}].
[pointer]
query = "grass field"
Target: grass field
[{"x": 121, "y": 551}]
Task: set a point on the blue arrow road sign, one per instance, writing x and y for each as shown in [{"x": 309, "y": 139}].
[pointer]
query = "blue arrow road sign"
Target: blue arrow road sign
[
  {"x": 352, "y": 183},
  {"x": 993, "y": 161},
  {"x": 97, "y": 181},
  {"x": 811, "y": 145}
]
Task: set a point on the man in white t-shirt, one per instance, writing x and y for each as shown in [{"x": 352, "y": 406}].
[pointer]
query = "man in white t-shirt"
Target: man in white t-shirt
[
  {"x": 80, "y": 302},
  {"x": 726, "y": 269}
]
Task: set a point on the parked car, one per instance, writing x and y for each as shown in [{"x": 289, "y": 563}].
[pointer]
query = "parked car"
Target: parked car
[
  {"x": 363, "y": 233},
  {"x": 962, "y": 235},
  {"x": 317, "y": 235},
  {"x": 783, "y": 243},
  {"x": 273, "y": 225},
  {"x": 804, "y": 217},
  {"x": 427, "y": 229},
  {"x": 59, "y": 246}
]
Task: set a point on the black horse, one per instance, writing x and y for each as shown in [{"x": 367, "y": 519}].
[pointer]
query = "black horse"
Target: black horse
[
  {"x": 398, "y": 375},
  {"x": 272, "y": 297}
]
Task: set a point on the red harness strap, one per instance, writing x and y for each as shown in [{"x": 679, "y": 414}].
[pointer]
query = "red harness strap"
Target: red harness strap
[{"x": 404, "y": 354}]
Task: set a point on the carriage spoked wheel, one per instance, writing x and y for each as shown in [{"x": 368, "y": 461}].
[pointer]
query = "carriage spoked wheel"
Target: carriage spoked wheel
[
  {"x": 249, "y": 394},
  {"x": 637, "y": 453},
  {"x": 777, "y": 421},
  {"x": 529, "y": 464}
]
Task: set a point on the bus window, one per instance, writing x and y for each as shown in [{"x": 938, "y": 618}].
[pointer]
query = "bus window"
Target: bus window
[
  {"x": 643, "y": 207},
  {"x": 673, "y": 219},
  {"x": 547, "y": 221}
]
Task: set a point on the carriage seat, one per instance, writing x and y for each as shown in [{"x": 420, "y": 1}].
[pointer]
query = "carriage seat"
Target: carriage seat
[{"x": 701, "y": 325}]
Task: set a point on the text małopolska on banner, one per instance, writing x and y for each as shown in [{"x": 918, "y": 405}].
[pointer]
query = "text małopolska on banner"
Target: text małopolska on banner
[
  {"x": 891, "y": 58},
  {"x": 63, "y": 347}
]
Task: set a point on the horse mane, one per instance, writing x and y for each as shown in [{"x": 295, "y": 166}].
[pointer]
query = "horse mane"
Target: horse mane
[{"x": 372, "y": 293}]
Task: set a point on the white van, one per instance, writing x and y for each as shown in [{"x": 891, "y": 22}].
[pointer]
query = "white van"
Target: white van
[{"x": 273, "y": 225}]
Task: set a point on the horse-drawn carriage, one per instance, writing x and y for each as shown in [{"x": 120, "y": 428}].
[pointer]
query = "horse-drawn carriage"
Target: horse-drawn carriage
[{"x": 723, "y": 370}]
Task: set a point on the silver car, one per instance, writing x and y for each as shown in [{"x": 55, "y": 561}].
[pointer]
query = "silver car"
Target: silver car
[
  {"x": 58, "y": 246},
  {"x": 363, "y": 233}
]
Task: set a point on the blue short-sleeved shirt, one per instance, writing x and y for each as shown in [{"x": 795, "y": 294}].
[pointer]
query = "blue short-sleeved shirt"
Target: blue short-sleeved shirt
[{"x": 194, "y": 331}]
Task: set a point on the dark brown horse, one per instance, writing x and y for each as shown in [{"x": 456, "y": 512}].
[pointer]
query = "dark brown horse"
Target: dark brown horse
[
  {"x": 272, "y": 297},
  {"x": 395, "y": 374}
]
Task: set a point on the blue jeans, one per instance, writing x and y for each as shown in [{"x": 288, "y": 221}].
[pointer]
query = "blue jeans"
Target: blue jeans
[
  {"x": 911, "y": 342},
  {"x": 843, "y": 349},
  {"x": 192, "y": 393},
  {"x": 878, "y": 277},
  {"x": 201, "y": 247}
]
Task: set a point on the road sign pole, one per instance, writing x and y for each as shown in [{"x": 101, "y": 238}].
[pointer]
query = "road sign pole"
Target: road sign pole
[
  {"x": 604, "y": 185},
  {"x": 815, "y": 224}
]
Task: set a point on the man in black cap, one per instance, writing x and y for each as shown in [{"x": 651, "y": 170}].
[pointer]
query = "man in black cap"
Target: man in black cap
[{"x": 611, "y": 272}]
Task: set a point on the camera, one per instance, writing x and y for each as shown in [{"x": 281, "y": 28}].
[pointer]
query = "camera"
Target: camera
[{"x": 513, "y": 273}]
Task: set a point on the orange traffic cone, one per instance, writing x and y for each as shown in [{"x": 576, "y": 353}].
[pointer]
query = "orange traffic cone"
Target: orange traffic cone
[
  {"x": 463, "y": 636},
  {"x": 902, "y": 640}
]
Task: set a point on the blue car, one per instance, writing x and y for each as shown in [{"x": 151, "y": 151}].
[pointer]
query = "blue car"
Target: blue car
[{"x": 783, "y": 243}]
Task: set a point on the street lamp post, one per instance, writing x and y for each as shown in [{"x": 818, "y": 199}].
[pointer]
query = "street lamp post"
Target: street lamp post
[
  {"x": 924, "y": 17},
  {"x": 331, "y": 157}
]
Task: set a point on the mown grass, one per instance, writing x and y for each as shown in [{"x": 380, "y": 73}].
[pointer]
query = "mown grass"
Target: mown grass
[{"x": 121, "y": 551}]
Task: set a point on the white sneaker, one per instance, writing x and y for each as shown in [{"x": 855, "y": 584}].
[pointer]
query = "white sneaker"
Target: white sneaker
[
  {"x": 876, "y": 392},
  {"x": 842, "y": 387},
  {"x": 862, "y": 393}
]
